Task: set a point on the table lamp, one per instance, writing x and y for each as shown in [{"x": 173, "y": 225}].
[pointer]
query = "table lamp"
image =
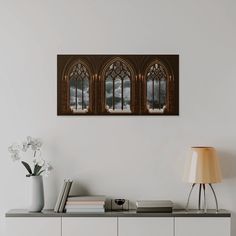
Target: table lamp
[{"x": 202, "y": 168}]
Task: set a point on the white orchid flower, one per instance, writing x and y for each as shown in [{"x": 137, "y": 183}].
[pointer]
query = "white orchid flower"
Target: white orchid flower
[
  {"x": 48, "y": 169},
  {"x": 14, "y": 148},
  {"x": 25, "y": 146},
  {"x": 41, "y": 167},
  {"x": 40, "y": 162},
  {"x": 15, "y": 156},
  {"x": 36, "y": 144},
  {"x": 29, "y": 139}
]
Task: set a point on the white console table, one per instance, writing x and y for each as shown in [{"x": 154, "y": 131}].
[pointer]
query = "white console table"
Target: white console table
[{"x": 177, "y": 223}]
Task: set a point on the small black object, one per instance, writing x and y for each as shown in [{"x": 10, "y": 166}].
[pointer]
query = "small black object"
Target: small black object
[{"x": 120, "y": 202}]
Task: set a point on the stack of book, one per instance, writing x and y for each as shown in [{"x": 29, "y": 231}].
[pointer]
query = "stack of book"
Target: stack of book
[
  {"x": 157, "y": 206},
  {"x": 85, "y": 204},
  {"x": 63, "y": 195}
]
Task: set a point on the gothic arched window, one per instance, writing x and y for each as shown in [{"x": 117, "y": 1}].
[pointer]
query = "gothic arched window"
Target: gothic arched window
[
  {"x": 79, "y": 78},
  {"x": 156, "y": 88},
  {"x": 117, "y": 80},
  {"x": 118, "y": 85}
]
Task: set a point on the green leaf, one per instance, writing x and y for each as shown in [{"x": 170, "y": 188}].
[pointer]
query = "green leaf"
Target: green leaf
[
  {"x": 26, "y": 165},
  {"x": 37, "y": 168},
  {"x": 40, "y": 172}
]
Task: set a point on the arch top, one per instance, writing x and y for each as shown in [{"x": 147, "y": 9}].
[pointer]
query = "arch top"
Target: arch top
[
  {"x": 158, "y": 69},
  {"x": 117, "y": 67},
  {"x": 78, "y": 69}
]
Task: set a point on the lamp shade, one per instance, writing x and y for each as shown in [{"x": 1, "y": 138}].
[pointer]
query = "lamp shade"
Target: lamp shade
[{"x": 203, "y": 166}]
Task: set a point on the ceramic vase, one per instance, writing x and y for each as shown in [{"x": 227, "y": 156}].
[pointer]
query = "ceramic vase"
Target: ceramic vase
[{"x": 36, "y": 194}]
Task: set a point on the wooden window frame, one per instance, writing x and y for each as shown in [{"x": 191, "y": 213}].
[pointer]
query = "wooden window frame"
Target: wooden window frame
[
  {"x": 169, "y": 80},
  {"x": 67, "y": 73},
  {"x": 106, "y": 65}
]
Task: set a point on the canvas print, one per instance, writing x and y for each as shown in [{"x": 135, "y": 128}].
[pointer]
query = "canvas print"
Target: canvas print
[{"x": 117, "y": 85}]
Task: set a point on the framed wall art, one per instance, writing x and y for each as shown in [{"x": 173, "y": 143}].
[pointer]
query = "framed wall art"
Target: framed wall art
[{"x": 117, "y": 85}]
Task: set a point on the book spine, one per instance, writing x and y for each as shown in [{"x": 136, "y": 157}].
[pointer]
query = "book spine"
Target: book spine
[
  {"x": 60, "y": 196},
  {"x": 84, "y": 207},
  {"x": 85, "y": 211},
  {"x": 65, "y": 195},
  {"x": 87, "y": 198},
  {"x": 154, "y": 209},
  {"x": 85, "y": 203}
]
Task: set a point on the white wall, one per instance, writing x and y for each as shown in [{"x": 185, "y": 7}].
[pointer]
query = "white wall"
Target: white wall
[{"x": 132, "y": 157}]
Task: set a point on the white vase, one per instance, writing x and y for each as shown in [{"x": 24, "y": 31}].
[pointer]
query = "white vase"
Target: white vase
[{"x": 36, "y": 194}]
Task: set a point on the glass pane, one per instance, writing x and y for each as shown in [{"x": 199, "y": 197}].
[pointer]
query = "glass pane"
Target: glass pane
[
  {"x": 156, "y": 101},
  {"x": 117, "y": 72},
  {"x": 126, "y": 93},
  {"x": 118, "y": 93},
  {"x": 79, "y": 76},
  {"x": 149, "y": 94},
  {"x": 109, "y": 92},
  {"x": 163, "y": 93},
  {"x": 73, "y": 94},
  {"x": 86, "y": 93},
  {"x": 156, "y": 94},
  {"x": 79, "y": 94}
]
